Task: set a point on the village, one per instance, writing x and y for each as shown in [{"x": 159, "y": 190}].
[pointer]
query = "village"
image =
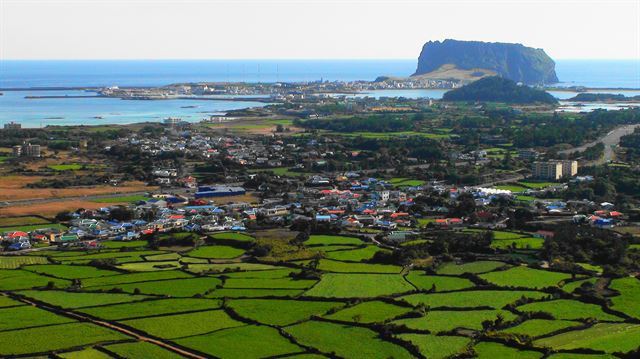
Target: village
[{"x": 388, "y": 210}]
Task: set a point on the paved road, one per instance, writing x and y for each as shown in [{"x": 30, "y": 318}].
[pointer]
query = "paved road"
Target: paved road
[{"x": 610, "y": 140}]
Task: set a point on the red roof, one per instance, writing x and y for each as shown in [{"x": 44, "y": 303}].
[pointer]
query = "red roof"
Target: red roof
[
  {"x": 545, "y": 233},
  {"x": 17, "y": 234},
  {"x": 176, "y": 216},
  {"x": 399, "y": 214},
  {"x": 615, "y": 214}
]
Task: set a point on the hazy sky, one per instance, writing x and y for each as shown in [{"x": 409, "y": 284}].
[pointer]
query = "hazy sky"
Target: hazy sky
[{"x": 329, "y": 29}]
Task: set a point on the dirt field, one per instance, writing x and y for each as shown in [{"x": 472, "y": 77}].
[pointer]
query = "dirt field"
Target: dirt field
[
  {"x": 11, "y": 182},
  {"x": 35, "y": 193},
  {"x": 13, "y": 188},
  {"x": 48, "y": 210}
]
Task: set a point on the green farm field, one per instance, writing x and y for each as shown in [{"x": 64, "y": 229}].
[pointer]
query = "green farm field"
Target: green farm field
[{"x": 341, "y": 305}]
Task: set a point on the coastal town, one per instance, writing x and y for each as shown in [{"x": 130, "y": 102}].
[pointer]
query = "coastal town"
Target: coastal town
[
  {"x": 319, "y": 180},
  {"x": 216, "y": 176}
]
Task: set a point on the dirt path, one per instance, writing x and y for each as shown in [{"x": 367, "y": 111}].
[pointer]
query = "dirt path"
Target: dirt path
[{"x": 112, "y": 326}]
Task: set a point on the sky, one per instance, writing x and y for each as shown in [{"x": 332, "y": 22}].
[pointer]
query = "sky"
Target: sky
[{"x": 311, "y": 29}]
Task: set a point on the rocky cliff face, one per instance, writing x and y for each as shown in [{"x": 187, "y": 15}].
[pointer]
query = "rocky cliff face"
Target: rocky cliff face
[{"x": 512, "y": 61}]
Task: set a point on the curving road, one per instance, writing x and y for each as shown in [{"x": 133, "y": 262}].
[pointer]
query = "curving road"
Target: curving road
[{"x": 610, "y": 140}]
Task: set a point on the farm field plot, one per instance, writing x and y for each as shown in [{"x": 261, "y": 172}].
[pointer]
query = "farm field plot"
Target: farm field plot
[
  {"x": 581, "y": 356},
  {"x": 251, "y": 340},
  {"x": 537, "y": 185},
  {"x": 8, "y": 302},
  {"x": 240, "y": 237},
  {"x": 120, "y": 257},
  {"x": 16, "y": 279},
  {"x": 354, "y": 255},
  {"x": 537, "y": 327},
  {"x": 27, "y": 316},
  {"x": 344, "y": 267},
  {"x": 88, "y": 353},
  {"x": 569, "y": 310},
  {"x": 436, "y": 347},
  {"x": 628, "y": 301},
  {"x": 163, "y": 257},
  {"x": 33, "y": 227},
  {"x": 65, "y": 299},
  {"x": 570, "y": 287},
  {"x": 471, "y": 267},
  {"x": 12, "y": 262},
  {"x": 219, "y": 251},
  {"x": 148, "y": 308},
  {"x": 141, "y": 350},
  {"x": 191, "y": 260},
  {"x": 405, "y": 182},
  {"x": 428, "y": 282},
  {"x": 437, "y": 321},
  {"x": 345, "y": 341},
  {"x": 518, "y": 243},
  {"x": 279, "y": 312},
  {"x": 608, "y": 337},
  {"x": 525, "y": 277},
  {"x": 21, "y": 221},
  {"x": 267, "y": 274},
  {"x": 50, "y": 338},
  {"x": 254, "y": 293},
  {"x": 268, "y": 283},
  {"x": 333, "y": 248},
  {"x": 184, "y": 325},
  {"x": 369, "y": 312},
  {"x": 471, "y": 299},
  {"x": 491, "y": 350},
  {"x": 172, "y": 287},
  {"x": 322, "y": 240},
  {"x": 123, "y": 244},
  {"x": 69, "y": 271},
  {"x": 134, "y": 278},
  {"x": 150, "y": 266},
  {"x": 121, "y": 199},
  {"x": 357, "y": 285},
  {"x": 221, "y": 267}
]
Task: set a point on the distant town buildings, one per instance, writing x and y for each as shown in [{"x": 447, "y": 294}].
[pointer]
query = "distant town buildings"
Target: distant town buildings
[
  {"x": 528, "y": 154},
  {"x": 26, "y": 150},
  {"x": 554, "y": 170},
  {"x": 12, "y": 126}
]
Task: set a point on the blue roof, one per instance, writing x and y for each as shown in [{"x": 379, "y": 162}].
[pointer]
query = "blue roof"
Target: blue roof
[{"x": 207, "y": 207}]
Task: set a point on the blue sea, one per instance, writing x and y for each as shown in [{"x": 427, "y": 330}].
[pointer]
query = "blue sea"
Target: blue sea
[{"x": 45, "y": 74}]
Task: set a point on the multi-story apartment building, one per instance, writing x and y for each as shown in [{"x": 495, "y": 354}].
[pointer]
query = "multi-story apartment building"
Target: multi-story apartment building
[{"x": 554, "y": 170}]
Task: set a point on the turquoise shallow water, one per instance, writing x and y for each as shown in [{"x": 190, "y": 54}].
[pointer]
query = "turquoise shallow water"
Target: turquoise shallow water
[{"x": 73, "y": 111}]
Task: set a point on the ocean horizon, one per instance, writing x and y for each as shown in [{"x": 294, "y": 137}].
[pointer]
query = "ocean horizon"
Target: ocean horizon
[{"x": 102, "y": 73}]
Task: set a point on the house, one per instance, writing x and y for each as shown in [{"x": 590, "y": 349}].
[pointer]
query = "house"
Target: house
[
  {"x": 219, "y": 191},
  {"x": 543, "y": 234}
]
